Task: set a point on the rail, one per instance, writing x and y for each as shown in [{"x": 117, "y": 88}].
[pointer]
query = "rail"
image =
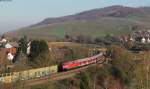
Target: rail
[{"x": 58, "y": 75}]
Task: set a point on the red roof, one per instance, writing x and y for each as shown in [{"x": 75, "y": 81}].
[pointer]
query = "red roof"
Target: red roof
[{"x": 11, "y": 50}]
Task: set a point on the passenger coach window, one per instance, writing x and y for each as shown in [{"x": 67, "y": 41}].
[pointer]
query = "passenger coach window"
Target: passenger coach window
[
  {"x": 53, "y": 70},
  {"x": 39, "y": 73},
  {"x": 35, "y": 73},
  {"x": 43, "y": 73}
]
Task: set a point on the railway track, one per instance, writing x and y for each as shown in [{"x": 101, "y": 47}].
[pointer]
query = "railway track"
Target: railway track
[{"x": 58, "y": 76}]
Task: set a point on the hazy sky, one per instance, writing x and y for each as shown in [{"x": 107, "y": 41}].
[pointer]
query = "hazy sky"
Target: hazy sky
[{"x": 18, "y": 13}]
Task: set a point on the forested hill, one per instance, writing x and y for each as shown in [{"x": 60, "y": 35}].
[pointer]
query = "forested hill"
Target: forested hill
[
  {"x": 115, "y": 20},
  {"x": 112, "y": 11}
]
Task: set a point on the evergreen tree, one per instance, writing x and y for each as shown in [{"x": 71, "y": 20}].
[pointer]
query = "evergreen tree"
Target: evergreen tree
[
  {"x": 39, "y": 53},
  {"x": 23, "y": 44}
]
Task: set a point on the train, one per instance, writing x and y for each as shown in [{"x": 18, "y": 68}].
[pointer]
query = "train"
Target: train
[
  {"x": 28, "y": 74},
  {"x": 47, "y": 71},
  {"x": 81, "y": 62}
]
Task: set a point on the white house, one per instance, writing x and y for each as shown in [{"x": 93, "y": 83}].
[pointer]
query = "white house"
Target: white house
[
  {"x": 8, "y": 45},
  {"x": 148, "y": 40},
  {"x": 143, "y": 40},
  {"x": 131, "y": 39},
  {"x": 28, "y": 48},
  {"x": 3, "y": 40},
  {"x": 10, "y": 56}
]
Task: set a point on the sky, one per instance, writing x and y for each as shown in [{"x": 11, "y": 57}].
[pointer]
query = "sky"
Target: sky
[{"x": 15, "y": 14}]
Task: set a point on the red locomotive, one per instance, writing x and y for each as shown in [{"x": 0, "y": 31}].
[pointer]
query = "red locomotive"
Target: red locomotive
[{"x": 81, "y": 62}]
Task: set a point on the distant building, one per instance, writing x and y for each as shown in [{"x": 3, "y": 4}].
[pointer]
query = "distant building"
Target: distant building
[
  {"x": 127, "y": 38},
  {"x": 148, "y": 40},
  {"x": 8, "y": 45},
  {"x": 10, "y": 56},
  {"x": 3, "y": 40},
  {"x": 7, "y": 52},
  {"x": 14, "y": 44},
  {"x": 10, "y": 51},
  {"x": 28, "y": 48},
  {"x": 6, "y": 57},
  {"x": 131, "y": 39},
  {"x": 143, "y": 40},
  {"x": 142, "y": 36}
]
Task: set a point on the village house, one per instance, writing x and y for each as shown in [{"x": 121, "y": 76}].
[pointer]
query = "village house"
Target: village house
[
  {"x": 7, "y": 53},
  {"x": 9, "y": 47},
  {"x": 126, "y": 38},
  {"x": 28, "y": 48},
  {"x": 6, "y": 57},
  {"x": 137, "y": 36},
  {"x": 142, "y": 36}
]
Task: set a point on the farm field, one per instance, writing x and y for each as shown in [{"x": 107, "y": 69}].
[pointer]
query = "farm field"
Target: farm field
[{"x": 94, "y": 28}]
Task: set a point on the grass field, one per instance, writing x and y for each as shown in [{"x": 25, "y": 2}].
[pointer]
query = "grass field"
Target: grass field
[
  {"x": 70, "y": 44},
  {"x": 94, "y": 28}
]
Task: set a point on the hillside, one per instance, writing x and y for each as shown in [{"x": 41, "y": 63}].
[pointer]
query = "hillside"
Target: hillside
[{"x": 115, "y": 20}]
